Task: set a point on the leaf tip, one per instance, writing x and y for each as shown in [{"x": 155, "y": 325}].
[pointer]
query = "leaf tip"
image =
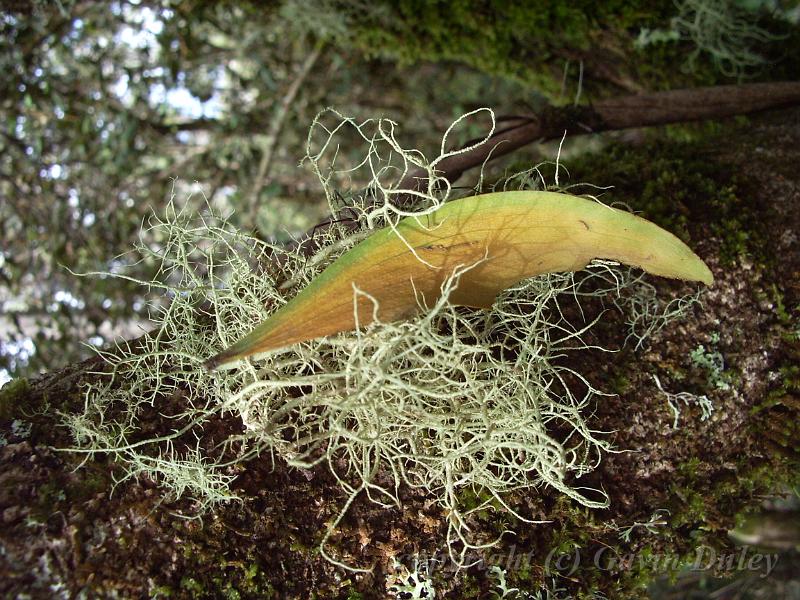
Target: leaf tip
[{"x": 701, "y": 272}]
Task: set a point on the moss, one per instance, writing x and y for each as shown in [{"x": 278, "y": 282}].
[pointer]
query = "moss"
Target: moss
[
  {"x": 51, "y": 493},
  {"x": 532, "y": 42},
  {"x": 656, "y": 66},
  {"x": 784, "y": 315},
  {"x": 703, "y": 506},
  {"x": 573, "y": 527},
  {"x": 244, "y": 578},
  {"x": 192, "y": 586},
  {"x": 523, "y": 574},
  {"x": 12, "y": 398},
  {"x": 529, "y": 42},
  {"x": 689, "y": 469},
  {"x": 230, "y": 593},
  {"x": 777, "y": 418},
  {"x": 469, "y": 499},
  {"x": 702, "y": 511},
  {"x": 253, "y": 581},
  {"x": 620, "y": 384},
  {"x": 470, "y": 586},
  {"x": 688, "y": 508},
  {"x": 95, "y": 479}
]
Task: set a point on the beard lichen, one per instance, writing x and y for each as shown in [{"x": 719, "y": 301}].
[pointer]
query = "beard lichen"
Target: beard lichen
[{"x": 453, "y": 403}]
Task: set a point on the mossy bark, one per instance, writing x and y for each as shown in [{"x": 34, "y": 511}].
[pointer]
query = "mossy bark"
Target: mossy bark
[
  {"x": 550, "y": 46},
  {"x": 732, "y": 193}
]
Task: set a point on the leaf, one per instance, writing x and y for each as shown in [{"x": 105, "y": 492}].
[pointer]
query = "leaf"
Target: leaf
[{"x": 507, "y": 236}]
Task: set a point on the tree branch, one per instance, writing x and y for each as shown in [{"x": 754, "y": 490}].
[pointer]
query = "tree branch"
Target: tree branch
[
  {"x": 641, "y": 110},
  {"x": 276, "y": 126}
]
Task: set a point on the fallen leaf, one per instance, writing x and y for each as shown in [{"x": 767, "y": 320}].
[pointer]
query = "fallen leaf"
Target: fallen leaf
[{"x": 504, "y": 237}]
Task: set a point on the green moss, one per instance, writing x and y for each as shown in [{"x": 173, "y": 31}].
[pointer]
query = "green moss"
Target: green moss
[
  {"x": 192, "y": 586},
  {"x": 95, "y": 479},
  {"x": 470, "y": 586},
  {"x": 12, "y": 398},
  {"x": 523, "y": 575},
  {"x": 688, "y": 508},
  {"x": 254, "y": 582},
  {"x": 161, "y": 591},
  {"x": 657, "y": 66},
  {"x": 529, "y": 42},
  {"x": 230, "y": 593},
  {"x": 704, "y": 507},
  {"x": 689, "y": 469},
  {"x": 472, "y": 499},
  {"x": 777, "y": 419},
  {"x": 784, "y": 316},
  {"x": 620, "y": 384},
  {"x": 574, "y": 529},
  {"x": 532, "y": 42},
  {"x": 51, "y": 493},
  {"x": 245, "y": 578}
]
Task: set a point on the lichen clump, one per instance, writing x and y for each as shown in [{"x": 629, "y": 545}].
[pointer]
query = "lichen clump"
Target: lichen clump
[{"x": 453, "y": 402}]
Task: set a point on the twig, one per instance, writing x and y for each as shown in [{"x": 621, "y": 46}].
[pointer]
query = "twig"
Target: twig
[
  {"x": 640, "y": 110},
  {"x": 276, "y": 126}
]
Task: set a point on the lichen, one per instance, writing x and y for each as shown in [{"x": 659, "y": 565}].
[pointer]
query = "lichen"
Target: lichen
[
  {"x": 451, "y": 402},
  {"x": 727, "y": 33}
]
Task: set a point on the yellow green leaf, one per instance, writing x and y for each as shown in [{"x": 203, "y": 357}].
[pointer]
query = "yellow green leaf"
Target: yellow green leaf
[{"x": 505, "y": 237}]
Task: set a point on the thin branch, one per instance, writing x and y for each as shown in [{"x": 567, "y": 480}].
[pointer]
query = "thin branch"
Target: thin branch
[
  {"x": 640, "y": 110},
  {"x": 276, "y": 126}
]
